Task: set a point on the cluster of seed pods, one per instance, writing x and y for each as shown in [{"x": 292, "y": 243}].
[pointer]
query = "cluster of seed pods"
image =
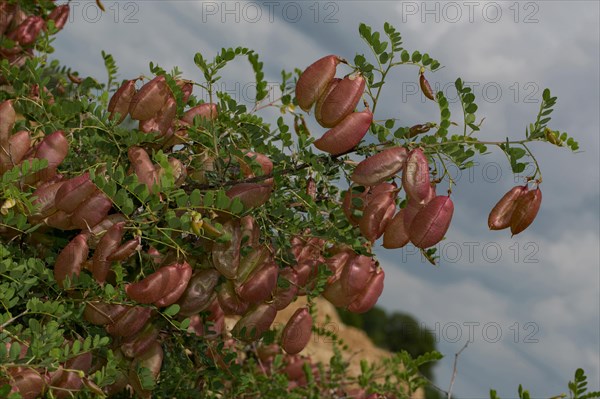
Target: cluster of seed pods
[
  {"x": 516, "y": 209},
  {"x": 23, "y": 30},
  {"x": 372, "y": 205},
  {"x": 335, "y": 101}
]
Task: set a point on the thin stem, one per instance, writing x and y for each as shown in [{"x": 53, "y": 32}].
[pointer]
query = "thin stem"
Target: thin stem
[{"x": 455, "y": 369}]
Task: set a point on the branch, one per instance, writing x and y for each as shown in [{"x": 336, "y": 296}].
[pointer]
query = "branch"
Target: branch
[{"x": 456, "y": 355}]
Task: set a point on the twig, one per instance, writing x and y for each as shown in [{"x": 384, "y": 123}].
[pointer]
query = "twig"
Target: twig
[
  {"x": 7, "y": 322},
  {"x": 456, "y": 355}
]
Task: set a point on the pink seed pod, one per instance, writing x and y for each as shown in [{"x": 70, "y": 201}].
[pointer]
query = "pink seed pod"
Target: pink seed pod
[
  {"x": 415, "y": 178},
  {"x": 501, "y": 214},
  {"x": 341, "y": 101},
  {"x": 253, "y": 261},
  {"x": 92, "y": 211},
  {"x": 229, "y": 301},
  {"x": 355, "y": 274},
  {"x": 70, "y": 380},
  {"x": 396, "y": 234},
  {"x": 74, "y": 192},
  {"x": 163, "y": 120},
  {"x": 199, "y": 293},
  {"x": 13, "y": 150},
  {"x": 60, "y": 16},
  {"x": 120, "y": 102},
  {"x": 379, "y": 167},
  {"x": 255, "y": 322},
  {"x": 206, "y": 111},
  {"x": 347, "y": 134},
  {"x": 60, "y": 220},
  {"x": 426, "y": 87},
  {"x": 226, "y": 256},
  {"x": 252, "y": 195},
  {"x": 368, "y": 298},
  {"x": 377, "y": 214},
  {"x": 349, "y": 206},
  {"x": 250, "y": 232},
  {"x": 7, "y": 119},
  {"x": 130, "y": 322},
  {"x": 44, "y": 200},
  {"x": 125, "y": 251},
  {"x": 297, "y": 332},
  {"x": 27, "y": 382},
  {"x": 107, "y": 245},
  {"x": 328, "y": 89},
  {"x": 431, "y": 223},
  {"x": 526, "y": 210},
  {"x": 411, "y": 210},
  {"x": 54, "y": 148},
  {"x": 176, "y": 290},
  {"x": 283, "y": 296},
  {"x": 27, "y": 32},
  {"x": 139, "y": 343},
  {"x": 314, "y": 80},
  {"x": 260, "y": 284},
  {"x": 149, "y": 100},
  {"x": 101, "y": 228},
  {"x": 187, "y": 87},
  {"x": 264, "y": 162},
  {"x": 7, "y": 11},
  {"x": 335, "y": 294},
  {"x": 70, "y": 260},
  {"x": 101, "y": 313},
  {"x": 158, "y": 284},
  {"x": 143, "y": 167},
  {"x": 152, "y": 360}
]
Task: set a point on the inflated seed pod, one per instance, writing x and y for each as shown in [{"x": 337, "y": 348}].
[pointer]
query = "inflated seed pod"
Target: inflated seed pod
[
  {"x": 92, "y": 211},
  {"x": 264, "y": 162},
  {"x": 314, "y": 80},
  {"x": 229, "y": 301},
  {"x": 377, "y": 214},
  {"x": 102, "y": 313},
  {"x": 158, "y": 284},
  {"x": 125, "y": 251},
  {"x": 260, "y": 285},
  {"x": 255, "y": 322},
  {"x": 120, "y": 102},
  {"x": 328, "y": 89},
  {"x": 163, "y": 120},
  {"x": 206, "y": 111},
  {"x": 74, "y": 192},
  {"x": 341, "y": 101},
  {"x": 415, "y": 130},
  {"x": 252, "y": 195},
  {"x": 226, "y": 256},
  {"x": 54, "y": 148},
  {"x": 380, "y": 167},
  {"x": 187, "y": 87},
  {"x": 13, "y": 150},
  {"x": 354, "y": 200},
  {"x": 70, "y": 380},
  {"x": 27, "y": 32},
  {"x": 199, "y": 293},
  {"x": 143, "y": 167},
  {"x": 176, "y": 290},
  {"x": 368, "y": 298},
  {"x": 396, "y": 234},
  {"x": 130, "y": 322},
  {"x": 7, "y": 119},
  {"x": 60, "y": 16},
  {"x": 426, "y": 87},
  {"x": 347, "y": 134},
  {"x": 250, "y": 232},
  {"x": 70, "y": 260},
  {"x": 501, "y": 214},
  {"x": 335, "y": 294},
  {"x": 253, "y": 261},
  {"x": 355, "y": 274},
  {"x": 149, "y": 100},
  {"x": 44, "y": 201},
  {"x": 415, "y": 177},
  {"x": 152, "y": 360},
  {"x": 139, "y": 343},
  {"x": 27, "y": 382},
  {"x": 297, "y": 332},
  {"x": 107, "y": 245},
  {"x": 60, "y": 220},
  {"x": 287, "y": 288},
  {"x": 7, "y": 11},
  {"x": 526, "y": 210},
  {"x": 431, "y": 223}
]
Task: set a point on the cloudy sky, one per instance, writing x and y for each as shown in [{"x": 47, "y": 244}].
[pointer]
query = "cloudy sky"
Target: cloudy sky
[{"x": 530, "y": 304}]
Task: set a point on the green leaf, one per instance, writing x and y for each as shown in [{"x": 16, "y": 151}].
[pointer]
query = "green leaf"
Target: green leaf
[{"x": 172, "y": 310}]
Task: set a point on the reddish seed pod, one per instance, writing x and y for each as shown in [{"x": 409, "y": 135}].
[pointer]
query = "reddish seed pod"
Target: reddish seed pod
[
  {"x": 264, "y": 162},
  {"x": 120, "y": 102},
  {"x": 368, "y": 298},
  {"x": 284, "y": 295},
  {"x": 379, "y": 167},
  {"x": 252, "y": 262},
  {"x": 415, "y": 178},
  {"x": 226, "y": 256},
  {"x": 349, "y": 204},
  {"x": 27, "y": 382},
  {"x": 229, "y": 301},
  {"x": 431, "y": 223},
  {"x": 250, "y": 232},
  {"x": 70, "y": 380},
  {"x": 396, "y": 234},
  {"x": 131, "y": 322},
  {"x": 7, "y": 119},
  {"x": 54, "y": 148},
  {"x": 139, "y": 343},
  {"x": 252, "y": 195},
  {"x": 206, "y": 111},
  {"x": 418, "y": 129},
  {"x": 426, "y": 87},
  {"x": 501, "y": 214},
  {"x": 176, "y": 290},
  {"x": 297, "y": 332},
  {"x": 526, "y": 210},
  {"x": 107, "y": 245},
  {"x": 347, "y": 134},
  {"x": 319, "y": 104},
  {"x": 152, "y": 360},
  {"x": 355, "y": 274},
  {"x": 7, "y": 11},
  {"x": 187, "y": 87},
  {"x": 60, "y": 16},
  {"x": 70, "y": 259},
  {"x": 255, "y": 323},
  {"x": 377, "y": 214},
  {"x": 27, "y": 32},
  {"x": 101, "y": 313},
  {"x": 158, "y": 284},
  {"x": 44, "y": 200},
  {"x": 92, "y": 211},
  {"x": 341, "y": 101},
  {"x": 125, "y": 251},
  {"x": 335, "y": 294},
  {"x": 13, "y": 150},
  {"x": 260, "y": 284},
  {"x": 143, "y": 166},
  {"x": 314, "y": 80},
  {"x": 74, "y": 192},
  {"x": 199, "y": 293},
  {"x": 60, "y": 220},
  {"x": 163, "y": 120},
  {"x": 149, "y": 100}
]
